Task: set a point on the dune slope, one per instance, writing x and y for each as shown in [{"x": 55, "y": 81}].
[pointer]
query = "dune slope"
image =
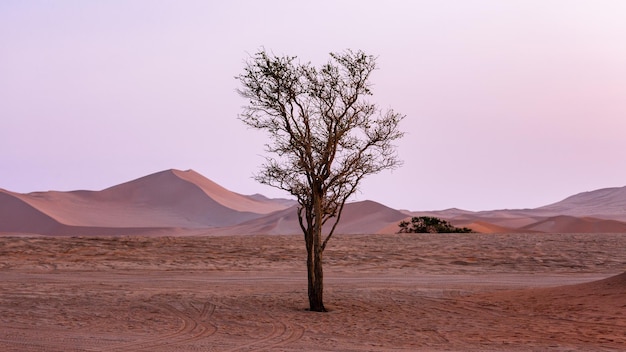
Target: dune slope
[
  {"x": 365, "y": 217},
  {"x": 606, "y": 203}
]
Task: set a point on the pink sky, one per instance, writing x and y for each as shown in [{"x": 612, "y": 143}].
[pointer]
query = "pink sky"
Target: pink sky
[{"x": 509, "y": 104}]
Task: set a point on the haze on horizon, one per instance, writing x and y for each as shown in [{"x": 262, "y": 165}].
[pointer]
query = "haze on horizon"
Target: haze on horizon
[{"x": 509, "y": 104}]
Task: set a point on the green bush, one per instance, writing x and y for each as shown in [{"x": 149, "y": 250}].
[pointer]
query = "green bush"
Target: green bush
[{"x": 429, "y": 224}]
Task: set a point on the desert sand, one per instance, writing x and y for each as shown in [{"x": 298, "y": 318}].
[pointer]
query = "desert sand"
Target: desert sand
[{"x": 426, "y": 292}]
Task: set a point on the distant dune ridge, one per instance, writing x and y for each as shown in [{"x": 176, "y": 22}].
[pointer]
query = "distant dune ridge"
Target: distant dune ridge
[
  {"x": 185, "y": 202},
  {"x": 167, "y": 199}
]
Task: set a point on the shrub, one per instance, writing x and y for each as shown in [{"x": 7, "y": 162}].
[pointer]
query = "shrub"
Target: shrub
[{"x": 430, "y": 224}]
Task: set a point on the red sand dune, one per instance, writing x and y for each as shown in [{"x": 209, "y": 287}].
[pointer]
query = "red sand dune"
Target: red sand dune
[
  {"x": 570, "y": 224},
  {"x": 185, "y": 202},
  {"x": 368, "y": 217},
  {"x": 280, "y": 222},
  {"x": 506, "y": 220},
  {"x": 606, "y": 203},
  {"x": 171, "y": 201},
  {"x": 167, "y": 199},
  {"x": 17, "y": 215},
  {"x": 364, "y": 217},
  {"x": 485, "y": 227},
  {"x": 227, "y": 198},
  {"x": 534, "y": 220}
]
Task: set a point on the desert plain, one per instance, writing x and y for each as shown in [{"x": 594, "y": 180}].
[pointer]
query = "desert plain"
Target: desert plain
[{"x": 402, "y": 292}]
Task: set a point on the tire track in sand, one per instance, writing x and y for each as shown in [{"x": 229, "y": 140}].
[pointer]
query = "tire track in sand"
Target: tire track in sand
[
  {"x": 195, "y": 325},
  {"x": 282, "y": 334}
]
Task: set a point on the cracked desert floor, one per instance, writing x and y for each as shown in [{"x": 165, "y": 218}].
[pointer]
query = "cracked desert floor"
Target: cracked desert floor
[{"x": 427, "y": 292}]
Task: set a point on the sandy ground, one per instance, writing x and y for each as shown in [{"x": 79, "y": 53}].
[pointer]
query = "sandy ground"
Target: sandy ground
[{"x": 248, "y": 293}]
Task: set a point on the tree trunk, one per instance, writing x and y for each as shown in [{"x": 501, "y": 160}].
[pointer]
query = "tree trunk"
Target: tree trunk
[
  {"x": 314, "y": 254},
  {"x": 316, "y": 276}
]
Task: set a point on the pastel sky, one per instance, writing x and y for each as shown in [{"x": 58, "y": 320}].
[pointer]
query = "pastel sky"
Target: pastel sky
[{"x": 509, "y": 104}]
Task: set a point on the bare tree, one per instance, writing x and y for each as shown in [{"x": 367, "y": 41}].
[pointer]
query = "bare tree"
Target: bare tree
[{"x": 325, "y": 138}]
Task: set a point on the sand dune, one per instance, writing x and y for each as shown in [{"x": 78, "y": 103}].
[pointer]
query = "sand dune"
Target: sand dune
[
  {"x": 16, "y": 215},
  {"x": 570, "y": 224},
  {"x": 179, "y": 202},
  {"x": 606, "y": 203},
  {"x": 168, "y": 199},
  {"x": 365, "y": 217},
  {"x": 486, "y": 227},
  {"x": 532, "y": 220},
  {"x": 504, "y": 220},
  {"x": 229, "y": 199},
  {"x": 581, "y": 213},
  {"x": 277, "y": 223},
  {"x": 185, "y": 202}
]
